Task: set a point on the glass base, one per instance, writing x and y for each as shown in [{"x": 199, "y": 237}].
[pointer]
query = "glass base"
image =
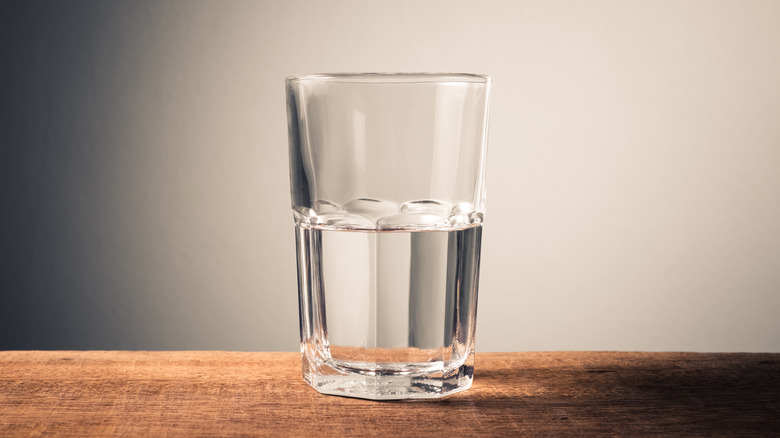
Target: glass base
[{"x": 395, "y": 381}]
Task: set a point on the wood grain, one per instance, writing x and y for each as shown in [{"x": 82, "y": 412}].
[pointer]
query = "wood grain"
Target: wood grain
[{"x": 229, "y": 393}]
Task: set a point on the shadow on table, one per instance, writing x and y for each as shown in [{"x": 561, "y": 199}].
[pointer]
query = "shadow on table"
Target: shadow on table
[
  {"x": 746, "y": 383},
  {"x": 651, "y": 397}
]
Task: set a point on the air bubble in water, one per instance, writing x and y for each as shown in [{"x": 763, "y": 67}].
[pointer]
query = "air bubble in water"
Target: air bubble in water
[
  {"x": 442, "y": 208},
  {"x": 322, "y": 206},
  {"x": 462, "y": 208},
  {"x": 372, "y": 208},
  {"x": 304, "y": 215},
  {"x": 463, "y": 214},
  {"x": 341, "y": 219},
  {"x": 412, "y": 221}
]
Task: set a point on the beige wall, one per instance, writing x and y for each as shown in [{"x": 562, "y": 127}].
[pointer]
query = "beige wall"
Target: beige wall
[{"x": 633, "y": 184}]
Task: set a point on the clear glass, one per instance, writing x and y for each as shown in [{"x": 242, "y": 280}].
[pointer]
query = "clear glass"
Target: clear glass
[{"x": 387, "y": 181}]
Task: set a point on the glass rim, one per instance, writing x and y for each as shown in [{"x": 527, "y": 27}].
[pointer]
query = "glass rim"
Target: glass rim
[{"x": 393, "y": 78}]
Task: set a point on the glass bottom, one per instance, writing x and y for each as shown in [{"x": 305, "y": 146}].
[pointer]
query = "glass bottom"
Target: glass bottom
[{"x": 388, "y": 381}]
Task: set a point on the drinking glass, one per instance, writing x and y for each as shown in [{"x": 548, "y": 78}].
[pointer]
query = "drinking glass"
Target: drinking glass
[{"x": 387, "y": 178}]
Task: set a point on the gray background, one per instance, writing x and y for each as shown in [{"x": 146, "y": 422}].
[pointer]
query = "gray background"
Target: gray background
[{"x": 633, "y": 184}]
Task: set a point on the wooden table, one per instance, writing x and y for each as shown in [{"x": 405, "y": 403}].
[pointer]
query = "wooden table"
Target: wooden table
[{"x": 228, "y": 393}]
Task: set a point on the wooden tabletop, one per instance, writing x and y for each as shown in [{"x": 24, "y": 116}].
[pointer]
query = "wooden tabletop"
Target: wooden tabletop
[{"x": 229, "y": 393}]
